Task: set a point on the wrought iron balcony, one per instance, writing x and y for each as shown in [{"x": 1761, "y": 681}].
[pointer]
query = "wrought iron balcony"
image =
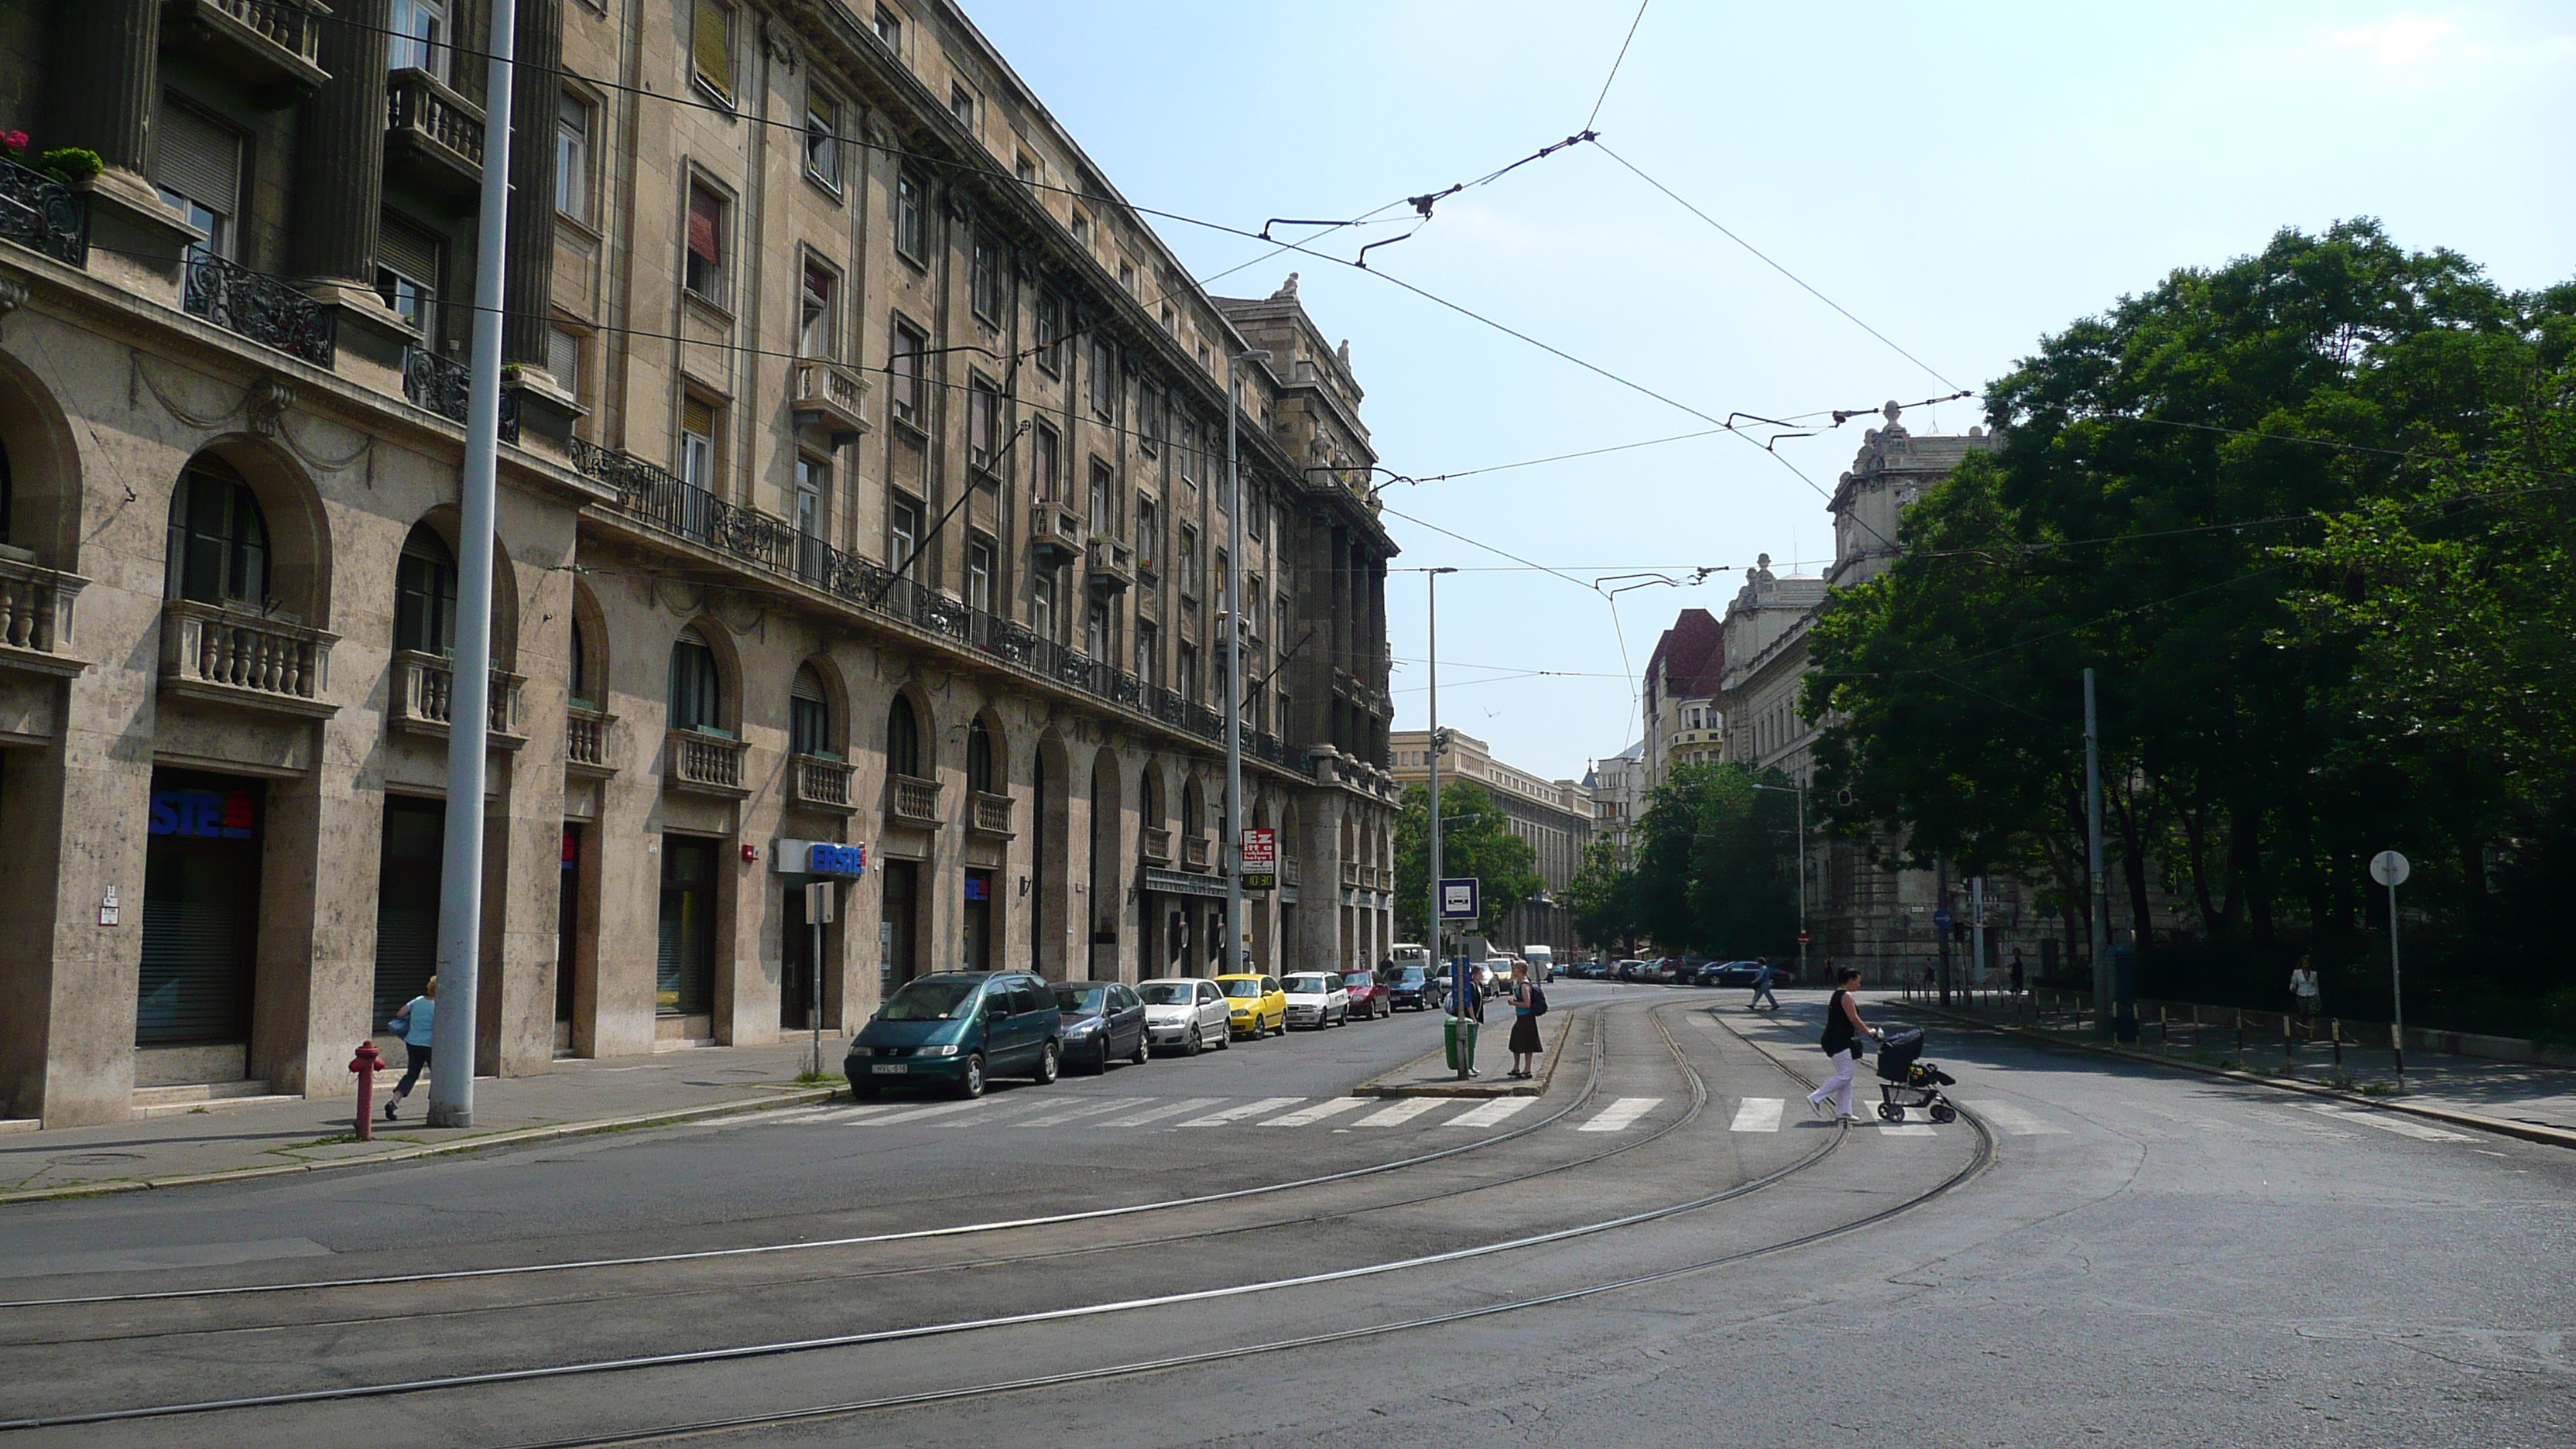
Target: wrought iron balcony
[
  {"x": 424, "y": 694},
  {"x": 42, "y": 214},
  {"x": 829, "y": 393},
  {"x": 433, "y": 133},
  {"x": 1056, "y": 534},
  {"x": 708, "y": 764},
  {"x": 260, "y": 307},
  {"x": 1198, "y": 852},
  {"x": 988, "y": 813},
  {"x": 273, "y": 44},
  {"x": 1113, "y": 566},
  {"x": 911, "y": 800},
  {"x": 36, "y": 618},
  {"x": 1154, "y": 843},
  {"x": 230, "y": 656},
  {"x": 586, "y": 735},
  {"x": 444, "y": 386},
  {"x": 818, "y": 782}
]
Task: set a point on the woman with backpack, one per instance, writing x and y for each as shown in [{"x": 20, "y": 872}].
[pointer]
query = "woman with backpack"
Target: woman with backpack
[{"x": 1528, "y": 1005}]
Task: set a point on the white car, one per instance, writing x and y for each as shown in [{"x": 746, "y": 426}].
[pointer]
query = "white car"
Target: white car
[
  {"x": 1316, "y": 999},
  {"x": 1185, "y": 1014}
]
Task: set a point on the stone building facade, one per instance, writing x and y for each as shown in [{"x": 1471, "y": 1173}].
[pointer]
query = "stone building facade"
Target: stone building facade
[
  {"x": 1554, "y": 816},
  {"x": 862, "y": 484},
  {"x": 1683, "y": 719}
]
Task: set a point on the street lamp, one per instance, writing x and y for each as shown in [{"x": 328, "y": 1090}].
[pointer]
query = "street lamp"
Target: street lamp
[
  {"x": 1233, "y": 844},
  {"x": 1799, "y": 790}
]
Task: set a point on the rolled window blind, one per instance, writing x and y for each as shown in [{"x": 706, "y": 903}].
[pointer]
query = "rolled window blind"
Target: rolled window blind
[{"x": 197, "y": 157}]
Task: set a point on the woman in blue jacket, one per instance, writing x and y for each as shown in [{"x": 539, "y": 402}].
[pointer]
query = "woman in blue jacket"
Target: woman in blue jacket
[{"x": 413, "y": 1026}]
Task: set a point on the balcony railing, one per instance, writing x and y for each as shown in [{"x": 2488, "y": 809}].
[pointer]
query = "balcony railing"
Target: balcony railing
[
  {"x": 988, "y": 813},
  {"x": 214, "y": 653},
  {"x": 1113, "y": 565},
  {"x": 1198, "y": 852},
  {"x": 42, "y": 214},
  {"x": 440, "y": 127},
  {"x": 832, "y": 392},
  {"x": 1351, "y": 874},
  {"x": 282, "y": 23},
  {"x": 708, "y": 764},
  {"x": 657, "y": 499},
  {"x": 1288, "y": 872},
  {"x": 260, "y": 307},
  {"x": 444, "y": 386},
  {"x": 1154, "y": 843},
  {"x": 274, "y": 44},
  {"x": 586, "y": 734},
  {"x": 424, "y": 693},
  {"x": 819, "y": 782},
  {"x": 914, "y": 801},
  {"x": 36, "y": 616},
  {"x": 1056, "y": 534}
]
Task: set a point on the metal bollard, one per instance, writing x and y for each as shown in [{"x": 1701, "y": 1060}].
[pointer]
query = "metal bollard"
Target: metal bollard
[{"x": 366, "y": 1065}]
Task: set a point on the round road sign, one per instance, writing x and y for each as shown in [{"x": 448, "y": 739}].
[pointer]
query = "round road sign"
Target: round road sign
[{"x": 2389, "y": 868}]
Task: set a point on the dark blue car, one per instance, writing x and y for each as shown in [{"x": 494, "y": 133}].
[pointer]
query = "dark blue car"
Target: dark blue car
[{"x": 953, "y": 1029}]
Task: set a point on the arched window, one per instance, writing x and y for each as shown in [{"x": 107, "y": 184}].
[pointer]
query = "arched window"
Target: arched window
[
  {"x": 903, "y": 739},
  {"x": 980, "y": 774},
  {"x": 697, "y": 690},
  {"x": 425, "y": 594},
  {"x": 585, "y": 688},
  {"x": 218, "y": 538},
  {"x": 1150, "y": 803},
  {"x": 1192, "y": 807},
  {"x": 809, "y": 715}
]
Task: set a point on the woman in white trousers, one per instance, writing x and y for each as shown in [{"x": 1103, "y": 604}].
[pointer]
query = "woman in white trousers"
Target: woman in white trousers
[{"x": 1843, "y": 1028}]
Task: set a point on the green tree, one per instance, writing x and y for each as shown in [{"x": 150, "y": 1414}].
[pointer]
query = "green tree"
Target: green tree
[
  {"x": 1602, "y": 899},
  {"x": 1715, "y": 864},
  {"x": 1475, "y": 840}
]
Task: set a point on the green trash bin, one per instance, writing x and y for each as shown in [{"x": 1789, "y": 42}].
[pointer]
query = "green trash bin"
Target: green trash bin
[{"x": 1458, "y": 1039}]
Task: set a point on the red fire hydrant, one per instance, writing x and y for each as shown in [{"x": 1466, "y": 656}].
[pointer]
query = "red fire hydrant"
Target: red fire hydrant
[{"x": 366, "y": 1066}]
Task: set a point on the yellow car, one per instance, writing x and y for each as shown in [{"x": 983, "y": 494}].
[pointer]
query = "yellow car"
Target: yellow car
[{"x": 1255, "y": 1006}]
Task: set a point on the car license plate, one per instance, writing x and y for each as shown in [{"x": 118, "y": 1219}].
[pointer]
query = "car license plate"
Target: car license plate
[{"x": 890, "y": 1069}]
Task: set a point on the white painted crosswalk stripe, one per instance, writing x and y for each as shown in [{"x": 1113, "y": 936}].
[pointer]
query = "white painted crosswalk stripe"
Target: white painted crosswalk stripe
[
  {"x": 2017, "y": 1122},
  {"x": 1621, "y": 1114},
  {"x": 1905, "y": 1129},
  {"x": 1090, "y": 1110},
  {"x": 918, "y": 1113},
  {"x": 1492, "y": 1114},
  {"x": 1400, "y": 1113},
  {"x": 1758, "y": 1114},
  {"x": 1329, "y": 1107},
  {"x": 1248, "y": 1109},
  {"x": 2385, "y": 1122},
  {"x": 1153, "y": 1114}
]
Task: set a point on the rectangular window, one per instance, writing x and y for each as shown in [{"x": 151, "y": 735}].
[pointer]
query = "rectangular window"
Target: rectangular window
[
  {"x": 1186, "y": 678},
  {"x": 1042, "y": 610},
  {"x": 1252, "y": 516},
  {"x": 563, "y": 359},
  {"x": 704, "y": 265},
  {"x": 572, "y": 156},
  {"x": 986, "y": 293},
  {"x": 698, "y": 419},
  {"x": 1096, "y": 636},
  {"x": 817, "y": 325},
  {"x": 711, "y": 47},
  {"x": 809, "y": 721},
  {"x": 983, "y": 425},
  {"x": 961, "y": 104},
  {"x": 196, "y": 166},
  {"x": 1081, "y": 227},
  {"x": 979, "y": 576},
  {"x": 1104, "y": 377},
  {"x": 1026, "y": 168},
  {"x": 903, "y": 532},
  {"x": 1149, "y": 534},
  {"x": 823, "y": 138},
  {"x": 903, "y": 372},
  {"x": 1220, "y": 582},
  {"x": 889, "y": 29},
  {"x": 1149, "y": 643},
  {"x": 1104, "y": 499},
  {"x": 1046, "y": 463},
  {"x": 813, "y": 495},
  {"x": 1127, "y": 275},
  {"x": 1189, "y": 560},
  {"x": 422, "y": 39},
  {"x": 911, "y": 217},
  {"x": 1252, "y": 605},
  {"x": 1149, "y": 418},
  {"x": 1052, "y": 342}
]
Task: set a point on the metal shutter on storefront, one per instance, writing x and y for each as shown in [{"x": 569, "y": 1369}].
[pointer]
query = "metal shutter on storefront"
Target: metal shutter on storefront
[{"x": 197, "y": 157}]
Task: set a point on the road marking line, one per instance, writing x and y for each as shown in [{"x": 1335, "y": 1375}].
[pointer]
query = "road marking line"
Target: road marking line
[
  {"x": 1150, "y": 1114},
  {"x": 1329, "y": 1107},
  {"x": 1621, "y": 1114},
  {"x": 1400, "y": 1113},
  {"x": 1492, "y": 1114},
  {"x": 1758, "y": 1114},
  {"x": 917, "y": 1113},
  {"x": 2016, "y": 1121},
  {"x": 1905, "y": 1129},
  {"x": 831, "y": 1117},
  {"x": 1248, "y": 1109},
  {"x": 1110, "y": 1105},
  {"x": 2385, "y": 1123},
  {"x": 2298, "y": 1124}
]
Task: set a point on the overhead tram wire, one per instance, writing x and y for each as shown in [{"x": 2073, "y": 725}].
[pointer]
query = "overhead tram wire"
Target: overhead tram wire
[{"x": 1615, "y": 62}]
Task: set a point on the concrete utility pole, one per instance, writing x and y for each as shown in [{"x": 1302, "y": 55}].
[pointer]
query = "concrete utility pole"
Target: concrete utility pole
[
  {"x": 460, "y": 884},
  {"x": 1431, "y": 586},
  {"x": 1232, "y": 847},
  {"x": 2096, "y": 884}
]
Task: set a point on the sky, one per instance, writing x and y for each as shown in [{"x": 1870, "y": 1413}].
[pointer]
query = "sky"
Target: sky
[{"x": 1963, "y": 179}]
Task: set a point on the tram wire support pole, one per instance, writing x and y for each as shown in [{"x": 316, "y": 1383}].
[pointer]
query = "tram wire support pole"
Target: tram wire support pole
[
  {"x": 1431, "y": 651},
  {"x": 460, "y": 886},
  {"x": 2391, "y": 869},
  {"x": 1232, "y": 847}
]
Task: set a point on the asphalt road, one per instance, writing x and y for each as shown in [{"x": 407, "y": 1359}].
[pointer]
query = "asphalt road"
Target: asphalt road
[{"x": 2104, "y": 1254}]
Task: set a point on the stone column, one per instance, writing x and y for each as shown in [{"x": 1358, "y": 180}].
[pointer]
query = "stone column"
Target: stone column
[
  {"x": 105, "y": 80},
  {"x": 340, "y": 149},
  {"x": 529, "y": 259}
]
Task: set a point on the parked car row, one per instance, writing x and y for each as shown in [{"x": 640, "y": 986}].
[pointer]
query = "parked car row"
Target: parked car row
[
  {"x": 1678, "y": 971},
  {"x": 953, "y": 1030}
]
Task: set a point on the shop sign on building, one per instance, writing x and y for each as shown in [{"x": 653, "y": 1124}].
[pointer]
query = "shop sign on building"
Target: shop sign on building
[{"x": 1260, "y": 851}]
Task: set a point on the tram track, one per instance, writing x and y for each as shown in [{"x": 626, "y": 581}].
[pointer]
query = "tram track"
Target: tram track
[{"x": 1982, "y": 1156}]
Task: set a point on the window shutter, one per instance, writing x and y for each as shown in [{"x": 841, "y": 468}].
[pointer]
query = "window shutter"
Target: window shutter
[
  {"x": 706, "y": 225},
  {"x": 714, "y": 44},
  {"x": 197, "y": 158},
  {"x": 698, "y": 417},
  {"x": 563, "y": 359},
  {"x": 408, "y": 249},
  {"x": 807, "y": 686}
]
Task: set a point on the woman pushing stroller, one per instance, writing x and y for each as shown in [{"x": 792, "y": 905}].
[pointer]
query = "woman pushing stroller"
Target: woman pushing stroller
[{"x": 1843, "y": 1030}]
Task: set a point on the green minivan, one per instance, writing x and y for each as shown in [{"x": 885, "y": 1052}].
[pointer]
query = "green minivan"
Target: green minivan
[{"x": 953, "y": 1029}]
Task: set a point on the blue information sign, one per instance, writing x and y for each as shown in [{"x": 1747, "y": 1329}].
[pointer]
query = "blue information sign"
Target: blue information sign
[
  {"x": 1943, "y": 920},
  {"x": 822, "y": 858},
  {"x": 1462, "y": 900}
]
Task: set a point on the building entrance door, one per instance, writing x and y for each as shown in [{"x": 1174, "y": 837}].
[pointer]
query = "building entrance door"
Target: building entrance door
[
  {"x": 567, "y": 933},
  {"x": 407, "y": 886},
  {"x": 684, "y": 966},
  {"x": 201, "y": 881},
  {"x": 795, "y": 962},
  {"x": 979, "y": 920},
  {"x": 896, "y": 928}
]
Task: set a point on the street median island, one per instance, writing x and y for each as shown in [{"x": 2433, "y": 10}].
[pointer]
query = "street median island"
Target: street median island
[{"x": 1430, "y": 1074}]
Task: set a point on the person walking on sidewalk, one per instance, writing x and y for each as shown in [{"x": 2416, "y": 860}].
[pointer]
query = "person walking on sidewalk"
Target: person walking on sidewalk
[
  {"x": 1527, "y": 1003},
  {"x": 412, "y": 1025},
  {"x": 1763, "y": 976},
  {"x": 2303, "y": 989},
  {"x": 2016, "y": 971},
  {"x": 1843, "y": 1030}
]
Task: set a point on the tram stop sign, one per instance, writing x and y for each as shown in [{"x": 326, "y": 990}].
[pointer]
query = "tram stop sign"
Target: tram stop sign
[{"x": 1461, "y": 899}]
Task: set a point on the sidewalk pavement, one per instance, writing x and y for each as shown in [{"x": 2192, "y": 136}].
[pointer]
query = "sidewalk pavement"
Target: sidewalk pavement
[
  {"x": 2519, "y": 1099},
  {"x": 305, "y": 1134}
]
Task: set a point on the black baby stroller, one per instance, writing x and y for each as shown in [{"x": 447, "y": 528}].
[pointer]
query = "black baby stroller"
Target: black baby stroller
[{"x": 1906, "y": 1082}]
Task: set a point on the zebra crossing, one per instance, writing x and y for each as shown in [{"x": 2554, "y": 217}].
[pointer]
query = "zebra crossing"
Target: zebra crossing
[{"x": 1368, "y": 1115}]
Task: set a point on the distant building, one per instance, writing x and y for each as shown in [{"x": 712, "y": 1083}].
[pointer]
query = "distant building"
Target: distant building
[
  {"x": 1554, "y": 816},
  {"x": 1618, "y": 788},
  {"x": 1683, "y": 720}
]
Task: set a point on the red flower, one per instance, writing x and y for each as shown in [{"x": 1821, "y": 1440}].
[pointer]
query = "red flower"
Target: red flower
[{"x": 14, "y": 140}]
